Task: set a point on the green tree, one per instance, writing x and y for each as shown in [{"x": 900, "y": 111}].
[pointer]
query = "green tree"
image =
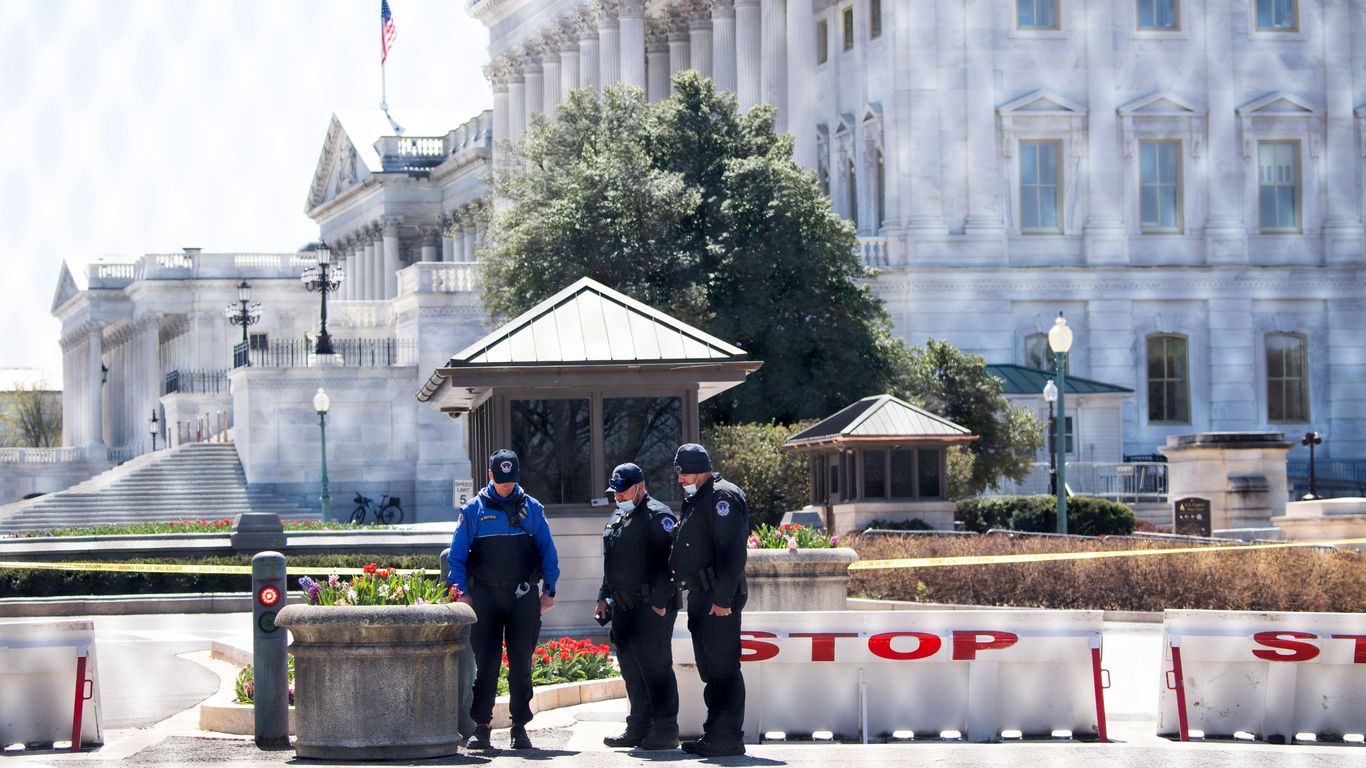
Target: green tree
[
  {"x": 695, "y": 208},
  {"x": 957, "y": 386},
  {"x": 751, "y": 456}
]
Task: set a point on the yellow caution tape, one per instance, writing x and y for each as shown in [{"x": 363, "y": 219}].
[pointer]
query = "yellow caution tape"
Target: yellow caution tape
[
  {"x": 200, "y": 569},
  {"x": 1044, "y": 557}
]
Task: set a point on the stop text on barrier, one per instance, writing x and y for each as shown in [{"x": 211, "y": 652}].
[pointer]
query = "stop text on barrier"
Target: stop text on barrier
[{"x": 963, "y": 645}]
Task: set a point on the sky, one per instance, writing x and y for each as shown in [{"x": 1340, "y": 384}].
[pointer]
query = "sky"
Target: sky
[{"x": 144, "y": 126}]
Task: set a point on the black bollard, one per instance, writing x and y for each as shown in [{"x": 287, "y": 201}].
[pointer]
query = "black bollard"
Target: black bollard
[{"x": 269, "y": 650}]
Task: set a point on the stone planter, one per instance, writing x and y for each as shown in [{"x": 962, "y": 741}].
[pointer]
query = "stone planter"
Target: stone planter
[
  {"x": 376, "y": 682},
  {"x": 803, "y": 579}
]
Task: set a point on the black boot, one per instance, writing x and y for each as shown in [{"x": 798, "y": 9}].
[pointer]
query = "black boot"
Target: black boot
[
  {"x": 630, "y": 737},
  {"x": 660, "y": 737},
  {"x": 692, "y": 745},
  {"x": 519, "y": 738},
  {"x": 720, "y": 749},
  {"x": 480, "y": 740}
]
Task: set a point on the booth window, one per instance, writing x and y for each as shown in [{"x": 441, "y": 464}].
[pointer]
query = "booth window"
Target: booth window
[
  {"x": 928, "y": 476},
  {"x": 874, "y": 475},
  {"x": 645, "y": 431},
  {"x": 553, "y": 439}
]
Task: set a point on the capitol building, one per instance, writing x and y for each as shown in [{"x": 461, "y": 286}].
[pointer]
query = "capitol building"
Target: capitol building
[{"x": 1182, "y": 179}]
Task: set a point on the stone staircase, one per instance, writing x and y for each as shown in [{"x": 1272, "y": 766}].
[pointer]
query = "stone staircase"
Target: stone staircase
[{"x": 198, "y": 480}]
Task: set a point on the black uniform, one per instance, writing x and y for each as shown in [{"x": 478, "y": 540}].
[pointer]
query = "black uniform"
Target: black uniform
[
  {"x": 709, "y": 559},
  {"x": 636, "y": 577}
]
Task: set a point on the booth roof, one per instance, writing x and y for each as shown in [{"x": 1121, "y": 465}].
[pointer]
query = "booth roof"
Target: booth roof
[
  {"x": 1021, "y": 380},
  {"x": 880, "y": 418}
]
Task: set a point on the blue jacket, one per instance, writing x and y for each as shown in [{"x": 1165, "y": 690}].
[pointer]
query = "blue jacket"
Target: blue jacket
[{"x": 478, "y": 520}]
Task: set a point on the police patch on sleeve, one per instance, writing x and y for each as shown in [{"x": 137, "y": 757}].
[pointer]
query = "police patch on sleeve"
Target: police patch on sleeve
[
  {"x": 722, "y": 508},
  {"x": 667, "y": 523}
]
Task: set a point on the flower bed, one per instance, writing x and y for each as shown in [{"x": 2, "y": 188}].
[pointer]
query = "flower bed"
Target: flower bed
[
  {"x": 245, "y": 687},
  {"x": 222, "y": 525},
  {"x": 791, "y": 536},
  {"x": 378, "y": 586},
  {"x": 564, "y": 661}
]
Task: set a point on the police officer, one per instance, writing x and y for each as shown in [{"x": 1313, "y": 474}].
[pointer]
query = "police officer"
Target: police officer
[
  {"x": 643, "y": 608},
  {"x": 709, "y": 560},
  {"x": 501, "y": 549}
]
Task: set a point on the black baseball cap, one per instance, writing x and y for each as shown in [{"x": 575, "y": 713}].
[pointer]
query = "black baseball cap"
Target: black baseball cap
[
  {"x": 623, "y": 477},
  {"x": 505, "y": 466}
]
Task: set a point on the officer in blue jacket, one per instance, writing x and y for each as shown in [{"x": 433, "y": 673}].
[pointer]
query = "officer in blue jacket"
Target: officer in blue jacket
[{"x": 501, "y": 550}]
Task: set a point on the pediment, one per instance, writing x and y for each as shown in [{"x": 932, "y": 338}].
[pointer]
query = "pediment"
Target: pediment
[
  {"x": 1042, "y": 103},
  {"x": 845, "y": 125},
  {"x": 1279, "y": 104},
  {"x": 337, "y": 169},
  {"x": 872, "y": 112},
  {"x": 1160, "y": 105},
  {"x": 66, "y": 289}
]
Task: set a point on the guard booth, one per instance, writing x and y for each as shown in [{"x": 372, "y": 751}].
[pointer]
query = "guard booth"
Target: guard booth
[
  {"x": 880, "y": 459},
  {"x": 584, "y": 381}
]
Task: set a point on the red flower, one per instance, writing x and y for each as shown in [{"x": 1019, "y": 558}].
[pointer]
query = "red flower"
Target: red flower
[
  {"x": 454, "y": 594},
  {"x": 383, "y": 573},
  {"x": 566, "y": 655},
  {"x": 370, "y": 568}
]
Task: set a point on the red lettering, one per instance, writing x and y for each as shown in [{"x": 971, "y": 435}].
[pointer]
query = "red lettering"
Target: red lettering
[
  {"x": 823, "y": 643},
  {"x": 1359, "y": 655},
  {"x": 967, "y": 644},
  {"x": 1294, "y": 650},
  {"x": 881, "y": 645},
  {"x": 755, "y": 649}
]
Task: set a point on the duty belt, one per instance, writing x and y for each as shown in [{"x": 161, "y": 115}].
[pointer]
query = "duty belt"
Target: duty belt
[
  {"x": 702, "y": 581},
  {"x": 628, "y": 597},
  {"x": 531, "y": 578}
]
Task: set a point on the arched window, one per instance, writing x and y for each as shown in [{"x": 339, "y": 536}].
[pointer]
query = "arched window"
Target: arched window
[
  {"x": 1168, "y": 379},
  {"x": 1038, "y": 355},
  {"x": 881, "y": 192},
  {"x": 1287, "y": 377}
]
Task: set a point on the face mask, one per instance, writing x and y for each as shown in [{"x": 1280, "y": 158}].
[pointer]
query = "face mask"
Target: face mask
[
  {"x": 690, "y": 489},
  {"x": 626, "y": 506}
]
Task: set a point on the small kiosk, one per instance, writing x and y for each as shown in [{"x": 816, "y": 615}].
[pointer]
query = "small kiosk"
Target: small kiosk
[{"x": 880, "y": 459}]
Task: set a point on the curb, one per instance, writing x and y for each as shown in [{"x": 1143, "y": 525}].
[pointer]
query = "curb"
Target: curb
[
  {"x": 222, "y": 715},
  {"x": 869, "y": 604},
  {"x": 122, "y": 605}
]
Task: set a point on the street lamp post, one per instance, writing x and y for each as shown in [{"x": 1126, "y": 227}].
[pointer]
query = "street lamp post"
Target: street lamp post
[
  {"x": 1050, "y": 395},
  {"x": 325, "y": 278},
  {"x": 1060, "y": 341},
  {"x": 321, "y": 402},
  {"x": 152, "y": 428},
  {"x": 1311, "y": 439},
  {"x": 245, "y": 313}
]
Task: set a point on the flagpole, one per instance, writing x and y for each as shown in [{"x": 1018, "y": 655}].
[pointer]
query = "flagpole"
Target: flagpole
[{"x": 383, "y": 89}]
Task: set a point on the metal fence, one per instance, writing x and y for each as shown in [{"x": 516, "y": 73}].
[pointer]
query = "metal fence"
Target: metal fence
[
  {"x": 1133, "y": 482},
  {"x": 199, "y": 382},
  {"x": 354, "y": 353},
  {"x": 1333, "y": 479}
]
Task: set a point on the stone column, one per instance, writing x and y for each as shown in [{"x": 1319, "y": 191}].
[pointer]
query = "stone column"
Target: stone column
[
  {"x": 984, "y": 180},
  {"x": 458, "y": 239},
  {"x": 748, "y": 69},
  {"x": 657, "y": 60},
  {"x": 589, "y": 67},
  {"x": 374, "y": 257},
  {"x": 632, "y": 19},
  {"x": 447, "y": 242},
  {"x": 517, "y": 115},
  {"x": 801, "y": 82},
  {"x": 700, "y": 43},
  {"x": 431, "y": 244},
  {"x": 391, "y": 257},
  {"x": 1342, "y": 230},
  {"x": 609, "y": 45},
  {"x": 773, "y": 82},
  {"x": 94, "y": 415},
  {"x": 723, "y": 44},
  {"x": 550, "y": 66},
  {"x": 913, "y": 135},
  {"x": 1106, "y": 242},
  {"x": 470, "y": 226},
  {"x": 569, "y": 65},
  {"x": 149, "y": 391},
  {"x": 344, "y": 259},
  {"x": 535, "y": 88},
  {"x": 497, "y": 74},
  {"x": 679, "y": 46},
  {"x": 1225, "y": 234}
]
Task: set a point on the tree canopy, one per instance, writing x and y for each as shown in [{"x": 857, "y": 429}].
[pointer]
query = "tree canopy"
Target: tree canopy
[{"x": 699, "y": 210}]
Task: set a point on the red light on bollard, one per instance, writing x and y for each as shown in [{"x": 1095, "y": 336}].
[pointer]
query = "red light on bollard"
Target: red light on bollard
[{"x": 268, "y": 596}]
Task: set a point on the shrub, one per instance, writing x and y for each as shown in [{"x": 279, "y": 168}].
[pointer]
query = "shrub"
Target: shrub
[
  {"x": 751, "y": 456},
  {"x": 1290, "y": 579},
  {"x": 1086, "y": 516}
]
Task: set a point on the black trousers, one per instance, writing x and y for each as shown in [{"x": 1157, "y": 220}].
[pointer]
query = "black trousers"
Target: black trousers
[
  {"x": 644, "y": 641},
  {"x": 716, "y": 645},
  {"x": 503, "y": 618}
]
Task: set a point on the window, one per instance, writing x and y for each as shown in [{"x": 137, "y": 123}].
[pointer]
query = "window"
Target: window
[
  {"x": 1158, "y": 14},
  {"x": 1168, "y": 380},
  {"x": 1160, "y": 195},
  {"x": 928, "y": 479},
  {"x": 1038, "y": 355},
  {"x": 853, "y": 192},
  {"x": 554, "y": 441},
  {"x": 881, "y": 192},
  {"x": 645, "y": 431},
  {"x": 874, "y": 19},
  {"x": 874, "y": 475},
  {"x": 848, "y": 19},
  {"x": 1053, "y": 435},
  {"x": 822, "y": 42},
  {"x": 1040, "y": 190},
  {"x": 259, "y": 342},
  {"x": 1287, "y": 390},
  {"x": 903, "y": 473},
  {"x": 1278, "y": 185},
  {"x": 1037, "y": 14},
  {"x": 1277, "y": 16}
]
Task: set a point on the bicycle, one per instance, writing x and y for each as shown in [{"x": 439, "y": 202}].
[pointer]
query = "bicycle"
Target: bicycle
[{"x": 387, "y": 513}]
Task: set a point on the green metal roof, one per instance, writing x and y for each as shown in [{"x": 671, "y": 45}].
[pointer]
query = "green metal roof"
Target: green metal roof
[
  {"x": 880, "y": 417},
  {"x": 1019, "y": 380}
]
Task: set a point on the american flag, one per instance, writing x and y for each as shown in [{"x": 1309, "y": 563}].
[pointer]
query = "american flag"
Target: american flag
[{"x": 387, "y": 31}]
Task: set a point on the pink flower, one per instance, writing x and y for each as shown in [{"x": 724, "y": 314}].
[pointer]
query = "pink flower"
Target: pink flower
[
  {"x": 834, "y": 540},
  {"x": 753, "y": 542},
  {"x": 791, "y": 543}
]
